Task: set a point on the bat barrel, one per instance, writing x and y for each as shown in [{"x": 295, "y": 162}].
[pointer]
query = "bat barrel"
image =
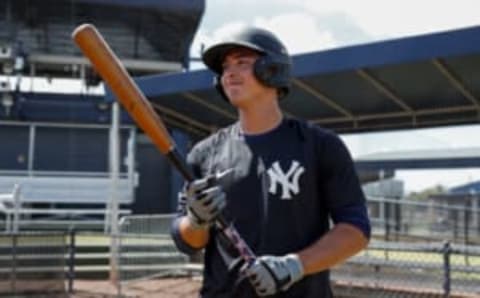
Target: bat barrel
[{"x": 112, "y": 71}]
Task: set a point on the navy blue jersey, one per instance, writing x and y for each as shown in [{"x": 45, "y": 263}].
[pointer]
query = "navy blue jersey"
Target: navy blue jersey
[{"x": 287, "y": 185}]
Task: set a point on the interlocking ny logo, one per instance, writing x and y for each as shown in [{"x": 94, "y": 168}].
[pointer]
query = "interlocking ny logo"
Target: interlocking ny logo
[{"x": 288, "y": 181}]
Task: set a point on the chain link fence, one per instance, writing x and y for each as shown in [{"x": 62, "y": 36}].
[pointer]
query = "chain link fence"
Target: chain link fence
[
  {"x": 41, "y": 263},
  {"x": 384, "y": 269},
  {"x": 396, "y": 269},
  {"x": 33, "y": 263},
  {"x": 398, "y": 219},
  {"x": 146, "y": 251}
]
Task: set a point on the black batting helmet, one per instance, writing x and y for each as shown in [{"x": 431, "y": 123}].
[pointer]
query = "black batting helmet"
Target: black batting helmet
[{"x": 273, "y": 68}]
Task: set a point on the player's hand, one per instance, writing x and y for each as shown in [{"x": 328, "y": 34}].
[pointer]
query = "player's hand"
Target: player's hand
[
  {"x": 205, "y": 200},
  {"x": 271, "y": 274}
]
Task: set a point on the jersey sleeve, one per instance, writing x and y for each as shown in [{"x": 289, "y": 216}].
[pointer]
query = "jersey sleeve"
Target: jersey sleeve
[{"x": 340, "y": 184}]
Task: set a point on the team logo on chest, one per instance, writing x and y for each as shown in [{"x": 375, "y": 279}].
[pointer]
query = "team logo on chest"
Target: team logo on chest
[{"x": 288, "y": 181}]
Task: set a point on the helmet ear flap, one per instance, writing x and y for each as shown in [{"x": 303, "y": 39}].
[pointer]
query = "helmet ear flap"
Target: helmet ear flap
[
  {"x": 273, "y": 72},
  {"x": 265, "y": 69}
]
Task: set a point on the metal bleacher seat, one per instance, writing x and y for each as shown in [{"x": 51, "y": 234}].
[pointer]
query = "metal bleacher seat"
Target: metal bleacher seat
[
  {"x": 60, "y": 200},
  {"x": 65, "y": 189},
  {"x": 59, "y": 40}
]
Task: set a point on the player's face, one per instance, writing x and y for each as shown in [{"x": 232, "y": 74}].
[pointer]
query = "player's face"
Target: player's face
[{"x": 238, "y": 79}]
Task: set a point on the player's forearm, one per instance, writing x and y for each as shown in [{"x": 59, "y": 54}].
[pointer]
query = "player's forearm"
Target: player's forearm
[
  {"x": 340, "y": 243},
  {"x": 196, "y": 238}
]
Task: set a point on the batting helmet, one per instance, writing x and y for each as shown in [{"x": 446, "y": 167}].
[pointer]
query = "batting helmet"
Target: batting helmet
[{"x": 273, "y": 68}]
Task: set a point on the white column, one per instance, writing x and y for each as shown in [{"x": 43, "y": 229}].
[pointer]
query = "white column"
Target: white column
[
  {"x": 31, "y": 149},
  {"x": 17, "y": 207},
  {"x": 114, "y": 174},
  {"x": 131, "y": 162}
]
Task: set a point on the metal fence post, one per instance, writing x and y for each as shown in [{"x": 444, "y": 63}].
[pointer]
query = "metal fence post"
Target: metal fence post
[
  {"x": 71, "y": 259},
  {"x": 14, "y": 263},
  {"x": 466, "y": 224},
  {"x": 447, "y": 250},
  {"x": 387, "y": 227},
  {"x": 455, "y": 224}
]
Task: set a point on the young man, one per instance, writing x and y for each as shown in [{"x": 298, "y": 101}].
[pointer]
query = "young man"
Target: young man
[{"x": 285, "y": 181}]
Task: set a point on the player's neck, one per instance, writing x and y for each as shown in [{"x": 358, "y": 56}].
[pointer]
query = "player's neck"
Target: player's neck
[{"x": 260, "y": 119}]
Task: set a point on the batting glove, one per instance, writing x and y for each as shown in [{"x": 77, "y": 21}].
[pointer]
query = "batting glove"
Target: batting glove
[
  {"x": 205, "y": 200},
  {"x": 271, "y": 274}
]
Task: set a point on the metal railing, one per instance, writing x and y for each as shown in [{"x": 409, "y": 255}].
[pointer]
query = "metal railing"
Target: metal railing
[{"x": 17, "y": 210}]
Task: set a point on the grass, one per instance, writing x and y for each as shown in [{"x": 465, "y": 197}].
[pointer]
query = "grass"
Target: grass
[{"x": 104, "y": 240}]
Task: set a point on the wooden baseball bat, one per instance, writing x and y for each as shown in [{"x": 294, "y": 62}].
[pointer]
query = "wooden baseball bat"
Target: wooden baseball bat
[{"x": 112, "y": 71}]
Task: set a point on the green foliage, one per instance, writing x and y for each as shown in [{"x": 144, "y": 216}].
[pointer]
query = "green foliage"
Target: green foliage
[{"x": 426, "y": 193}]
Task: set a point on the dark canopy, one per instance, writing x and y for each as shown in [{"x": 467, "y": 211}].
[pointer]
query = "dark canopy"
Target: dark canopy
[
  {"x": 422, "y": 81},
  {"x": 420, "y": 159}
]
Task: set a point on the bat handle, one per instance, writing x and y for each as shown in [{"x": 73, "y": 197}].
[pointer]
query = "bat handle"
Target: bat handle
[
  {"x": 232, "y": 234},
  {"x": 177, "y": 161},
  {"x": 221, "y": 222}
]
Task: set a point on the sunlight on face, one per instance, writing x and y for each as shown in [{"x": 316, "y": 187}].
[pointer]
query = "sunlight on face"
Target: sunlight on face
[{"x": 238, "y": 78}]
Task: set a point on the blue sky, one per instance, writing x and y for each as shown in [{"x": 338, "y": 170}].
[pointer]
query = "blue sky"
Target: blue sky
[{"x": 312, "y": 25}]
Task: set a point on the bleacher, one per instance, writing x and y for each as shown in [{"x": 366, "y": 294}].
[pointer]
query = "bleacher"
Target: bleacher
[
  {"x": 60, "y": 201},
  {"x": 43, "y": 33}
]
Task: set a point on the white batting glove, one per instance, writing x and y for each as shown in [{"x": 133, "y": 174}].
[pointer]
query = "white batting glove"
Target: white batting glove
[
  {"x": 271, "y": 274},
  {"x": 205, "y": 200}
]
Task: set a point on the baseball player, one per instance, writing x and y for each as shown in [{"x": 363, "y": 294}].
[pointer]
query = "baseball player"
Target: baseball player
[{"x": 289, "y": 187}]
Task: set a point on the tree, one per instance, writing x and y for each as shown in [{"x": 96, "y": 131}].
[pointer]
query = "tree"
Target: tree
[{"x": 426, "y": 193}]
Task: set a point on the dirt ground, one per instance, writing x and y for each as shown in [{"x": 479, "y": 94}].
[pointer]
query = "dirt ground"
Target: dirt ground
[{"x": 185, "y": 287}]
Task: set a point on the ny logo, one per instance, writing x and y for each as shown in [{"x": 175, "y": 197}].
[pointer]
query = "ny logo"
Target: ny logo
[{"x": 288, "y": 181}]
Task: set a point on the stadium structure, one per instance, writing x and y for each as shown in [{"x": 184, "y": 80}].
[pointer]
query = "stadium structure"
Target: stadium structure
[{"x": 56, "y": 145}]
